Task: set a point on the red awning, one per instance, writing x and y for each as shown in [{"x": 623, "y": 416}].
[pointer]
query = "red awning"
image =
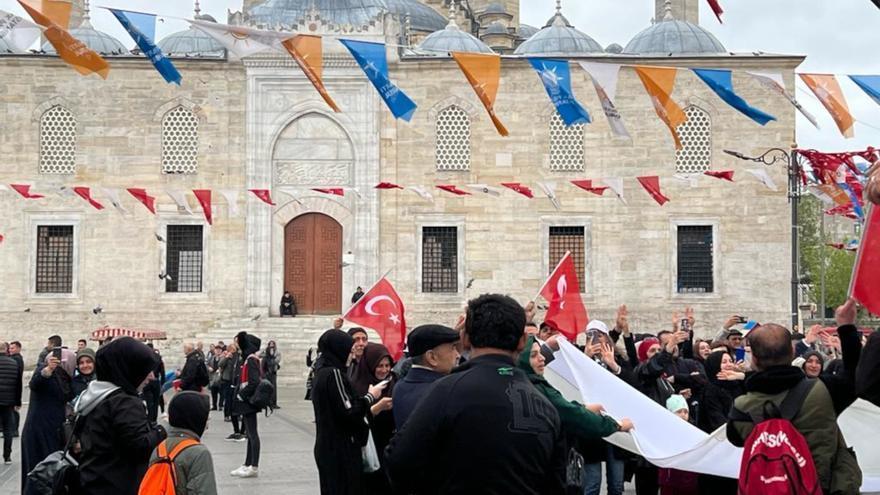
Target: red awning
[{"x": 104, "y": 333}]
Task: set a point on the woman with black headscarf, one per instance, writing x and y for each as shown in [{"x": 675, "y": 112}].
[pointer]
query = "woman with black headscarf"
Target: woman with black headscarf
[
  {"x": 341, "y": 429},
  {"x": 245, "y": 382},
  {"x": 725, "y": 385},
  {"x": 378, "y": 364},
  {"x": 117, "y": 438}
]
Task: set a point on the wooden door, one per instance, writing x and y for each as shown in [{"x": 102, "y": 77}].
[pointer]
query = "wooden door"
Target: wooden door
[{"x": 313, "y": 263}]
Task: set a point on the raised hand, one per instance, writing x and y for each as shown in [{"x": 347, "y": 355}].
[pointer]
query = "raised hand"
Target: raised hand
[
  {"x": 846, "y": 314},
  {"x": 622, "y": 323}
]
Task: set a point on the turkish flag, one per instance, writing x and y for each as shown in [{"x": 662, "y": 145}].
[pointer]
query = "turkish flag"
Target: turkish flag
[
  {"x": 716, "y": 8},
  {"x": 387, "y": 185},
  {"x": 587, "y": 185},
  {"x": 142, "y": 196},
  {"x": 264, "y": 195},
  {"x": 453, "y": 190},
  {"x": 516, "y": 186},
  {"x": 562, "y": 291},
  {"x": 86, "y": 194},
  {"x": 720, "y": 174},
  {"x": 866, "y": 274},
  {"x": 652, "y": 185},
  {"x": 382, "y": 310},
  {"x": 335, "y": 191},
  {"x": 25, "y": 191},
  {"x": 204, "y": 197}
]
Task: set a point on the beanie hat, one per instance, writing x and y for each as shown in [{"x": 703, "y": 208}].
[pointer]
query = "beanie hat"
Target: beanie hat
[
  {"x": 676, "y": 403},
  {"x": 189, "y": 410},
  {"x": 86, "y": 352},
  {"x": 643, "y": 346}
]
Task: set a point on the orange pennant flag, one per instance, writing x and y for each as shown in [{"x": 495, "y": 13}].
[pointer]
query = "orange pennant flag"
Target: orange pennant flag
[
  {"x": 659, "y": 83},
  {"x": 56, "y": 10},
  {"x": 483, "y": 71},
  {"x": 308, "y": 52},
  {"x": 826, "y": 88},
  {"x": 70, "y": 49}
]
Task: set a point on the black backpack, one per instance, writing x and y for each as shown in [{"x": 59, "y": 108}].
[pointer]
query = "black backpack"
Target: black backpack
[{"x": 262, "y": 396}]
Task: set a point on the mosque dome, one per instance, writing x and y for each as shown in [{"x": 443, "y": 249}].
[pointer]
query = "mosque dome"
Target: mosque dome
[
  {"x": 452, "y": 39},
  {"x": 192, "y": 42},
  {"x": 559, "y": 37},
  {"x": 355, "y": 13},
  {"x": 496, "y": 28},
  {"x": 672, "y": 36},
  {"x": 525, "y": 31},
  {"x": 97, "y": 41}
]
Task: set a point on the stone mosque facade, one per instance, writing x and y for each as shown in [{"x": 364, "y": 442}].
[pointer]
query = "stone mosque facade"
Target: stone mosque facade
[{"x": 258, "y": 123}]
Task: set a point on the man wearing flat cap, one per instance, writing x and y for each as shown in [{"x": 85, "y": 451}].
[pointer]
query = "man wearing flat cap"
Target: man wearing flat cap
[{"x": 433, "y": 352}]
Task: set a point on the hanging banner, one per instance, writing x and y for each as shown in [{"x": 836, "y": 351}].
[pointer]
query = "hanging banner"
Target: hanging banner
[
  {"x": 142, "y": 196},
  {"x": 308, "y": 52},
  {"x": 57, "y": 11},
  {"x": 387, "y": 185},
  {"x": 659, "y": 83},
  {"x": 25, "y": 191},
  {"x": 605, "y": 77},
  {"x": 86, "y": 194},
  {"x": 422, "y": 192},
  {"x": 485, "y": 189},
  {"x": 179, "y": 198},
  {"x": 69, "y": 49},
  {"x": 231, "y": 197},
  {"x": 556, "y": 76},
  {"x": 130, "y": 21},
  {"x": 453, "y": 190},
  {"x": 240, "y": 41},
  {"x": 616, "y": 185},
  {"x": 263, "y": 195},
  {"x": 371, "y": 58},
  {"x": 18, "y": 32},
  {"x": 483, "y": 72},
  {"x": 204, "y": 197},
  {"x": 720, "y": 174},
  {"x": 652, "y": 185},
  {"x": 549, "y": 189},
  {"x": 774, "y": 82},
  {"x": 113, "y": 196},
  {"x": 332, "y": 191},
  {"x": 764, "y": 177},
  {"x": 826, "y": 88},
  {"x": 716, "y": 9},
  {"x": 870, "y": 85},
  {"x": 721, "y": 82},
  {"x": 519, "y": 188},
  {"x": 587, "y": 185}
]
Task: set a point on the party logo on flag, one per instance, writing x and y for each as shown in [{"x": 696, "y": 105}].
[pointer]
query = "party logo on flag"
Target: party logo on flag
[
  {"x": 483, "y": 72},
  {"x": 605, "y": 77},
  {"x": 659, "y": 82},
  {"x": 721, "y": 82},
  {"x": 556, "y": 76},
  {"x": 308, "y": 52},
  {"x": 371, "y": 58},
  {"x": 133, "y": 22},
  {"x": 826, "y": 88}
]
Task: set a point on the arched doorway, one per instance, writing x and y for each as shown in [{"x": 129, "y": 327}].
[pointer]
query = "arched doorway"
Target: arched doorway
[{"x": 313, "y": 263}]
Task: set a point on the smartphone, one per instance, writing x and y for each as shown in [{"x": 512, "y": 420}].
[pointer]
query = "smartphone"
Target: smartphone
[
  {"x": 384, "y": 382},
  {"x": 684, "y": 325},
  {"x": 740, "y": 354},
  {"x": 56, "y": 353},
  {"x": 742, "y": 319},
  {"x": 593, "y": 337}
]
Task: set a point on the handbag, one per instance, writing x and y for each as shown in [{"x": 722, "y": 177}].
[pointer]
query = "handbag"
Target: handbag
[
  {"x": 58, "y": 473},
  {"x": 574, "y": 472},
  {"x": 370, "y": 456}
]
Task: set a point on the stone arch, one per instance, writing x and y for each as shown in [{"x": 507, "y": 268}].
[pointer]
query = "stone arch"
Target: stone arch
[
  {"x": 313, "y": 149},
  {"x": 453, "y": 100},
  {"x": 57, "y": 101},
  {"x": 162, "y": 110}
]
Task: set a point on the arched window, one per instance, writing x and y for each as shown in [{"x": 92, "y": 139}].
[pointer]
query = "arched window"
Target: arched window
[
  {"x": 695, "y": 156},
  {"x": 57, "y": 141},
  {"x": 453, "y": 139},
  {"x": 180, "y": 142},
  {"x": 566, "y": 146}
]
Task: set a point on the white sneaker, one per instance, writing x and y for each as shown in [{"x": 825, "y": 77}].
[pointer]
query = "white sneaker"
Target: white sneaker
[
  {"x": 240, "y": 472},
  {"x": 252, "y": 472}
]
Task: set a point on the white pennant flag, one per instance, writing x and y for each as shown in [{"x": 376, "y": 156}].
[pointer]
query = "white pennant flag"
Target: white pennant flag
[
  {"x": 179, "y": 197},
  {"x": 421, "y": 191},
  {"x": 549, "y": 189},
  {"x": 65, "y": 192},
  {"x": 774, "y": 82},
  {"x": 294, "y": 194},
  {"x": 3, "y": 188},
  {"x": 485, "y": 189},
  {"x": 19, "y": 33},
  {"x": 605, "y": 77},
  {"x": 690, "y": 179},
  {"x": 113, "y": 196},
  {"x": 241, "y": 41},
  {"x": 616, "y": 185},
  {"x": 354, "y": 190},
  {"x": 821, "y": 195},
  {"x": 231, "y": 196},
  {"x": 764, "y": 177}
]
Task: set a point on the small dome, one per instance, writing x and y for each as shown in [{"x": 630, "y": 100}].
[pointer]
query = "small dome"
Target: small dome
[
  {"x": 558, "y": 37},
  {"x": 671, "y": 36},
  {"x": 97, "y": 41},
  {"x": 205, "y": 17},
  {"x": 496, "y": 28},
  {"x": 495, "y": 8},
  {"x": 5, "y": 48},
  {"x": 452, "y": 39},
  {"x": 191, "y": 43},
  {"x": 525, "y": 31},
  {"x": 614, "y": 48},
  {"x": 355, "y": 13}
]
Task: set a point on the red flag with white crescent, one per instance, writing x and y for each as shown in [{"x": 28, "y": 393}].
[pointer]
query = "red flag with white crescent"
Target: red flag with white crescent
[
  {"x": 86, "y": 194},
  {"x": 264, "y": 195},
  {"x": 562, "y": 291},
  {"x": 866, "y": 273},
  {"x": 382, "y": 310},
  {"x": 142, "y": 196}
]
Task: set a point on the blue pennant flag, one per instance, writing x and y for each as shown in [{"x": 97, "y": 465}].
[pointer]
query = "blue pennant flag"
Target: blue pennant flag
[
  {"x": 721, "y": 82},
  {"x": 556, "y": 76},
  {"x": 870, "y": 85},
  {"x": 854, "y": 199},
  {"x": 371, "y": 57},
  {"x": 138, "y": 26}
]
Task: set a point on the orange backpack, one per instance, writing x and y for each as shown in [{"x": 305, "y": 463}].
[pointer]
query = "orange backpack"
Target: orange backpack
[{"x": 161, "y": 478}]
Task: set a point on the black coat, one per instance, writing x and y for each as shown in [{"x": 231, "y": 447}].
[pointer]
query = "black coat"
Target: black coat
[
  {"x": 409, "y": 391},
  {"x": 194, "y": 375},
  {"x": 868, "y": 371},
  {"x": 80, "y": 383},
  {"x": 10, "y": 382},
  {"x": 47, "y": 410},
  {"x": 483, "y": 428},
  {"x": 244, "y": 389}
]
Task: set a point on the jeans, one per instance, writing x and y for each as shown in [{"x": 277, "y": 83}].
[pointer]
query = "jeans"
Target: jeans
[
  {"x": 253, "y": 440},
  {"x": 613, "y": 475},
  {"x": 7, "y": 422}
]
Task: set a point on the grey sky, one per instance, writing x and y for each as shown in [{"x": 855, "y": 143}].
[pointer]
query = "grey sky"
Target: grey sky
[{"x": 836, "y": 36}]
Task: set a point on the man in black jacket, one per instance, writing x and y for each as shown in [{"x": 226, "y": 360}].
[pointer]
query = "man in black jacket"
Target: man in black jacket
[
  {"x": 194, "y": 375},
  {"x": 484, "y": 428},
  {"x": 10, "y": 399},
  {"x": 15, "y": 353}
]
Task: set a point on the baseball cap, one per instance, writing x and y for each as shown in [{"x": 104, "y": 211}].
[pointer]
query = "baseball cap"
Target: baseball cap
[
  {"x": 426, "y": 337},
  {"x": 598, "y": 326}
]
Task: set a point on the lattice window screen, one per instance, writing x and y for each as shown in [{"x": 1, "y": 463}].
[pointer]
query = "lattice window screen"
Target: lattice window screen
[
  {"x": 57, "y": 141},
  {"x": 695, "y": 259},
  {"x": 439, "y": 259},
  {"x": 180, "y": 142},
  {"x": 696, "y": 139},
  {"x": 566, "y": 146},
  {"x": 453, "y": 139},
  {"x": 563, "y": 240}
]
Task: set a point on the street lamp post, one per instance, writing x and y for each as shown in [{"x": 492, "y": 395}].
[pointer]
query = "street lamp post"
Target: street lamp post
[{"x": 790, "y": 159}]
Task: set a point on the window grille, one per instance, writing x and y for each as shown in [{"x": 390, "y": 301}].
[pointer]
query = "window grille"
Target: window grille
[
  {"x": 57, "y": 141},
  {"x": 564, "y": 239},
  {"x": 54, "y": 259},
  {"x": 440, "y": 259},
  {"x": 183, "y": 263},
  {"x": 695, "y": 259},
  {"x": 453, "y": 139},
  {"x": 566, "y": 146},
  {"x": 180, "y": 142},
  {"x": 695, "y": 134}
]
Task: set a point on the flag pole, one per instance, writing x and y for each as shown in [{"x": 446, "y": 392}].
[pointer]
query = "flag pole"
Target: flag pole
[
  {"x": 567, "y": 254},
  {"x": 345, "y": 315}
]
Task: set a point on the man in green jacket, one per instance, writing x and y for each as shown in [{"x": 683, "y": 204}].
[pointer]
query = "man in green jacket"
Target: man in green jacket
[
  {"x": 188, "y": 417},
  {"x": 771, "y": 356}
]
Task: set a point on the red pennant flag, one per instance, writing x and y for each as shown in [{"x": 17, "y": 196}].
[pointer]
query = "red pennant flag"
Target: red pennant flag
[
  {"x": 142, "y": 196},
  {"x": 454, "y": 190},
  {"x": 387, "y": 185},
  {"x": 720, "y": 174},
  {"x": 382, "y": 310},
  {"x": 516, "y": 186},
  {"x": 562, "y": 291},
  {"x": 866, "y": 274},
  {"x": 652, "y": 185},
  {"x": 1, "y": 238},
  {"x": 587, "y": 185},
  {"x": 264, "y": 195},
  {"x": 335, "y": 191},
  {"x": 25, "y": 191},
  {"x": 716, "y": 8},
  {"x": 86, "y": 194},
  {"x": 204, "y": 197}
]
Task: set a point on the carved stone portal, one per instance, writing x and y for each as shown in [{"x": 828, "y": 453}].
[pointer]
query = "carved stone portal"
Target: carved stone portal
[{"x": 313, "y": 151}]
